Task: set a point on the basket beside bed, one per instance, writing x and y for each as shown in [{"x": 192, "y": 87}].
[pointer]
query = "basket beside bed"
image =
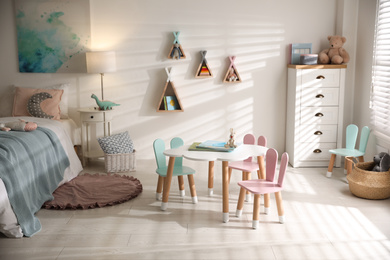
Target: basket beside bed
[
  {"x": 119, "y": 154},
  {"x": 368, "y": 184},
  {"x": 121, "y": 162}
]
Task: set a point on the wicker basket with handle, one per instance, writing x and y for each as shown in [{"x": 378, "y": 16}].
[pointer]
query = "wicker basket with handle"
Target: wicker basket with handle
[{"x": 368, "y": 184}]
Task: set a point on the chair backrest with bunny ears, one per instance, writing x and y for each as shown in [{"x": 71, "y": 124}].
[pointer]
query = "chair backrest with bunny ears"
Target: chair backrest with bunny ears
[
  {"x": 271, "y": 162},
  {"x": 262, "y": 141},
  {"x": 249, "y": 139},
  {"x": 282, "y": 169}
]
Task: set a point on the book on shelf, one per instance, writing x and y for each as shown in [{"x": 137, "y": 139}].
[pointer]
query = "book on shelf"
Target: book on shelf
[
  {"x": 215, "y": 146},
  {"x": 170, "y": 103}
]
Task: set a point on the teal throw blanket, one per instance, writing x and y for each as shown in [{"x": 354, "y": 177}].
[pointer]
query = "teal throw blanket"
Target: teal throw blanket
[{"x": 32, "y": 164}]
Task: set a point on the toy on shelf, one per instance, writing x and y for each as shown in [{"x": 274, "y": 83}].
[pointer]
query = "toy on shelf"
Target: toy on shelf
[
  {"x": 19, "y": 125},
  {"x": 104, "y": 104},
  {"x": 232, "y": 142},
  {"x": 176, "y": 51},
  {"x": 169, "y": 101},
  {"x": 204, "y": 70},
  {"x": 232, "y": 75}
]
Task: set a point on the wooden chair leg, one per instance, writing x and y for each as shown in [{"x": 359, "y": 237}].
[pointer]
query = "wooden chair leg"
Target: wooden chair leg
[
  {"x": 192, "y": 188},
  {"x": 160, "y": 183},
  {"x": 279, "y": 204},
  {"x": 256, "y": 211},
  {"x": 261, "y": 171},
  {"x": 266, "y": 203},
  {"x": 248, "y": 194},
  {"x": 181, "y": 186},
  {"x": 211, "y": 177},
  {"x": 240, "y": 202},
  {"x": 349, "y": 165},
  {"x": 330, "y": 166},
  {"x": 230, "y": 173},
  {"x": 260, "y": 160}
]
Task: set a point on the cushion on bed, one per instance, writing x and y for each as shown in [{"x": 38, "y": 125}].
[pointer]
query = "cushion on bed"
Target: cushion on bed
[
  {"x": 118, "y": 143},
  {"x": 50, "y": 106}
]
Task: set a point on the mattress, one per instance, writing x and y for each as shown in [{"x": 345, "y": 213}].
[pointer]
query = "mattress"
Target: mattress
[{"x": 68, "y": 134}]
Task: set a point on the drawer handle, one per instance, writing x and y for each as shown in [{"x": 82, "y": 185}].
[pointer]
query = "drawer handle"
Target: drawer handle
[
  {"x": 318, "y": 133},
  {"x": 317, "y": 151},
  {"x": 319, "y": 115},
  {"x": 320, "y": 96},
  {"x": 320, "y": 77}
]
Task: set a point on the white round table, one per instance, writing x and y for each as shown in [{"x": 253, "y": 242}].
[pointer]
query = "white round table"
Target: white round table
[{"x": 240, "y": 153}]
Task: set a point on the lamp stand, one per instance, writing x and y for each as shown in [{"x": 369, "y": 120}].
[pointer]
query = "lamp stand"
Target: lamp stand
[{"x": 101, "y": 84}]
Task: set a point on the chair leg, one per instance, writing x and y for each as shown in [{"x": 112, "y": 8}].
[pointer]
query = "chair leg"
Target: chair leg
[
  {"x": 181, "y": 186},
  {"x": 266, "y": 203},
  {"x": 240, "y": 203},
  {"x": 256, "y": 211},
  {"x": 167, "y": 184},
  {"x": 160, "y": 183},
  {"x": 192, "y": 188},
  {"x": 211, "y": 178},
  {"x": 260, "y": 160},
  {"x": 248, "y": 197},
  {"x": 230, "y": 174},
  {"x": 349, "y": 165},
  {"x": 261, "y": 171},
  {"x": 279, "y": 204},
  {"x": 330, "y": 166}
]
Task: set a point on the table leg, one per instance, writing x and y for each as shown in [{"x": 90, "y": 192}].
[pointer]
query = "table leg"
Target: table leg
[
  {"x": 225, "y": 191},
  {"x": 211, "y": 177},
  {"x": 167, "y": 183}
]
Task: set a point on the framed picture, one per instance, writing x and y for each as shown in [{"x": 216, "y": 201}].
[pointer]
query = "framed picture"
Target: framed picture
[
  {"x": 297, "y": 49},
  {"x": 52, "y": 35}
]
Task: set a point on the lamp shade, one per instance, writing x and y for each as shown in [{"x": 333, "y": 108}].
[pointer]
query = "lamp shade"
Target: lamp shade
[{"x": 101, "y": 61}]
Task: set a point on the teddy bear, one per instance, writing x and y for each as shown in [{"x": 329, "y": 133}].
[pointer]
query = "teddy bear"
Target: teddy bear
[
  {"x": 20, "y": 125},
  {"x": 336, "y": 54}
]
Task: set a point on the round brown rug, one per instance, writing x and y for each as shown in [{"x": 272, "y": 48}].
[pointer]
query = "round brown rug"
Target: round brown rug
[{"x": 93, "y": 190}]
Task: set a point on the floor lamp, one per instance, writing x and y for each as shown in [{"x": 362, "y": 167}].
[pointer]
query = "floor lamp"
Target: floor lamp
[{"x": 101, "y": 62}]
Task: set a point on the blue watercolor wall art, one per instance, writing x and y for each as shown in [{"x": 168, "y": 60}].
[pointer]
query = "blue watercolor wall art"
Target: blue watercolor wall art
[{"x": 52, "y": 35}]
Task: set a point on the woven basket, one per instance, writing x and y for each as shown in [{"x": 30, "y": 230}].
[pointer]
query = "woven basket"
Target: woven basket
[
  {"x": 367, "y": 184},
  {"x": 121, "y": 162}
]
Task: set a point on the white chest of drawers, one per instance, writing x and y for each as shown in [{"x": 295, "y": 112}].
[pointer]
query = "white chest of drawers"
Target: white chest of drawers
[{"x": 315, "y": 99}]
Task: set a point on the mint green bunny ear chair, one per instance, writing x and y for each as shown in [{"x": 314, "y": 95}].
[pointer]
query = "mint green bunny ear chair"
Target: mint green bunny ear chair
[
  {"x": 349, "y": 150},
  {"x": 179, "y": 170}
]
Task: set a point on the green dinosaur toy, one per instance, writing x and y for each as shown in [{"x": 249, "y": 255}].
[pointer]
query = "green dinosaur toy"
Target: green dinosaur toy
[{"x": 104, "y": 104}]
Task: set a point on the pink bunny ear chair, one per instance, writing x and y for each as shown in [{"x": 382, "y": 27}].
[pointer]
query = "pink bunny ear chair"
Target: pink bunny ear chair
[
  {"x": 247, "y": 166},
  {"x": 266, "y": 186}
]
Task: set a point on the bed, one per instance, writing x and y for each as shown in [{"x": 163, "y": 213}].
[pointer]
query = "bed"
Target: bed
[{"x": 65, "y": 132}]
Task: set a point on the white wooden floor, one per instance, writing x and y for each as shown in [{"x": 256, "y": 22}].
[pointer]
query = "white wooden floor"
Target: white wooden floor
[{"x": 323, "y": 221}]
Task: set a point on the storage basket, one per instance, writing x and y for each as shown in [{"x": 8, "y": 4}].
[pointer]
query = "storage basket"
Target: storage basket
[
  {"x": 368, "y": 184},
  {"x": 121, "y": 162}
]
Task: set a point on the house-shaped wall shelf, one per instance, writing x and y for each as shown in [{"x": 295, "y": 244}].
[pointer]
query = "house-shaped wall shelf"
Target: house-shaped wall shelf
[
  {"x": 169, "y": 101},
  {"x": 204, "y": 70},
  {"x": 176, "y": 52},
  {"x": 232, "y": 75}
]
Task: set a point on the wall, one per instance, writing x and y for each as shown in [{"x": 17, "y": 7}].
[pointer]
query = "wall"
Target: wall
[{"x": 140, "y": 31}]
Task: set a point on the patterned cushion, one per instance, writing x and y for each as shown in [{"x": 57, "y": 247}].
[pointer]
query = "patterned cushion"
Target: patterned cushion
[{"x": 118, "y": 143}]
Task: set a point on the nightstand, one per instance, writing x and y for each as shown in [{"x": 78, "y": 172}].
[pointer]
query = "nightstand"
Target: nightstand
[{"x": 92, "y": 116}]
